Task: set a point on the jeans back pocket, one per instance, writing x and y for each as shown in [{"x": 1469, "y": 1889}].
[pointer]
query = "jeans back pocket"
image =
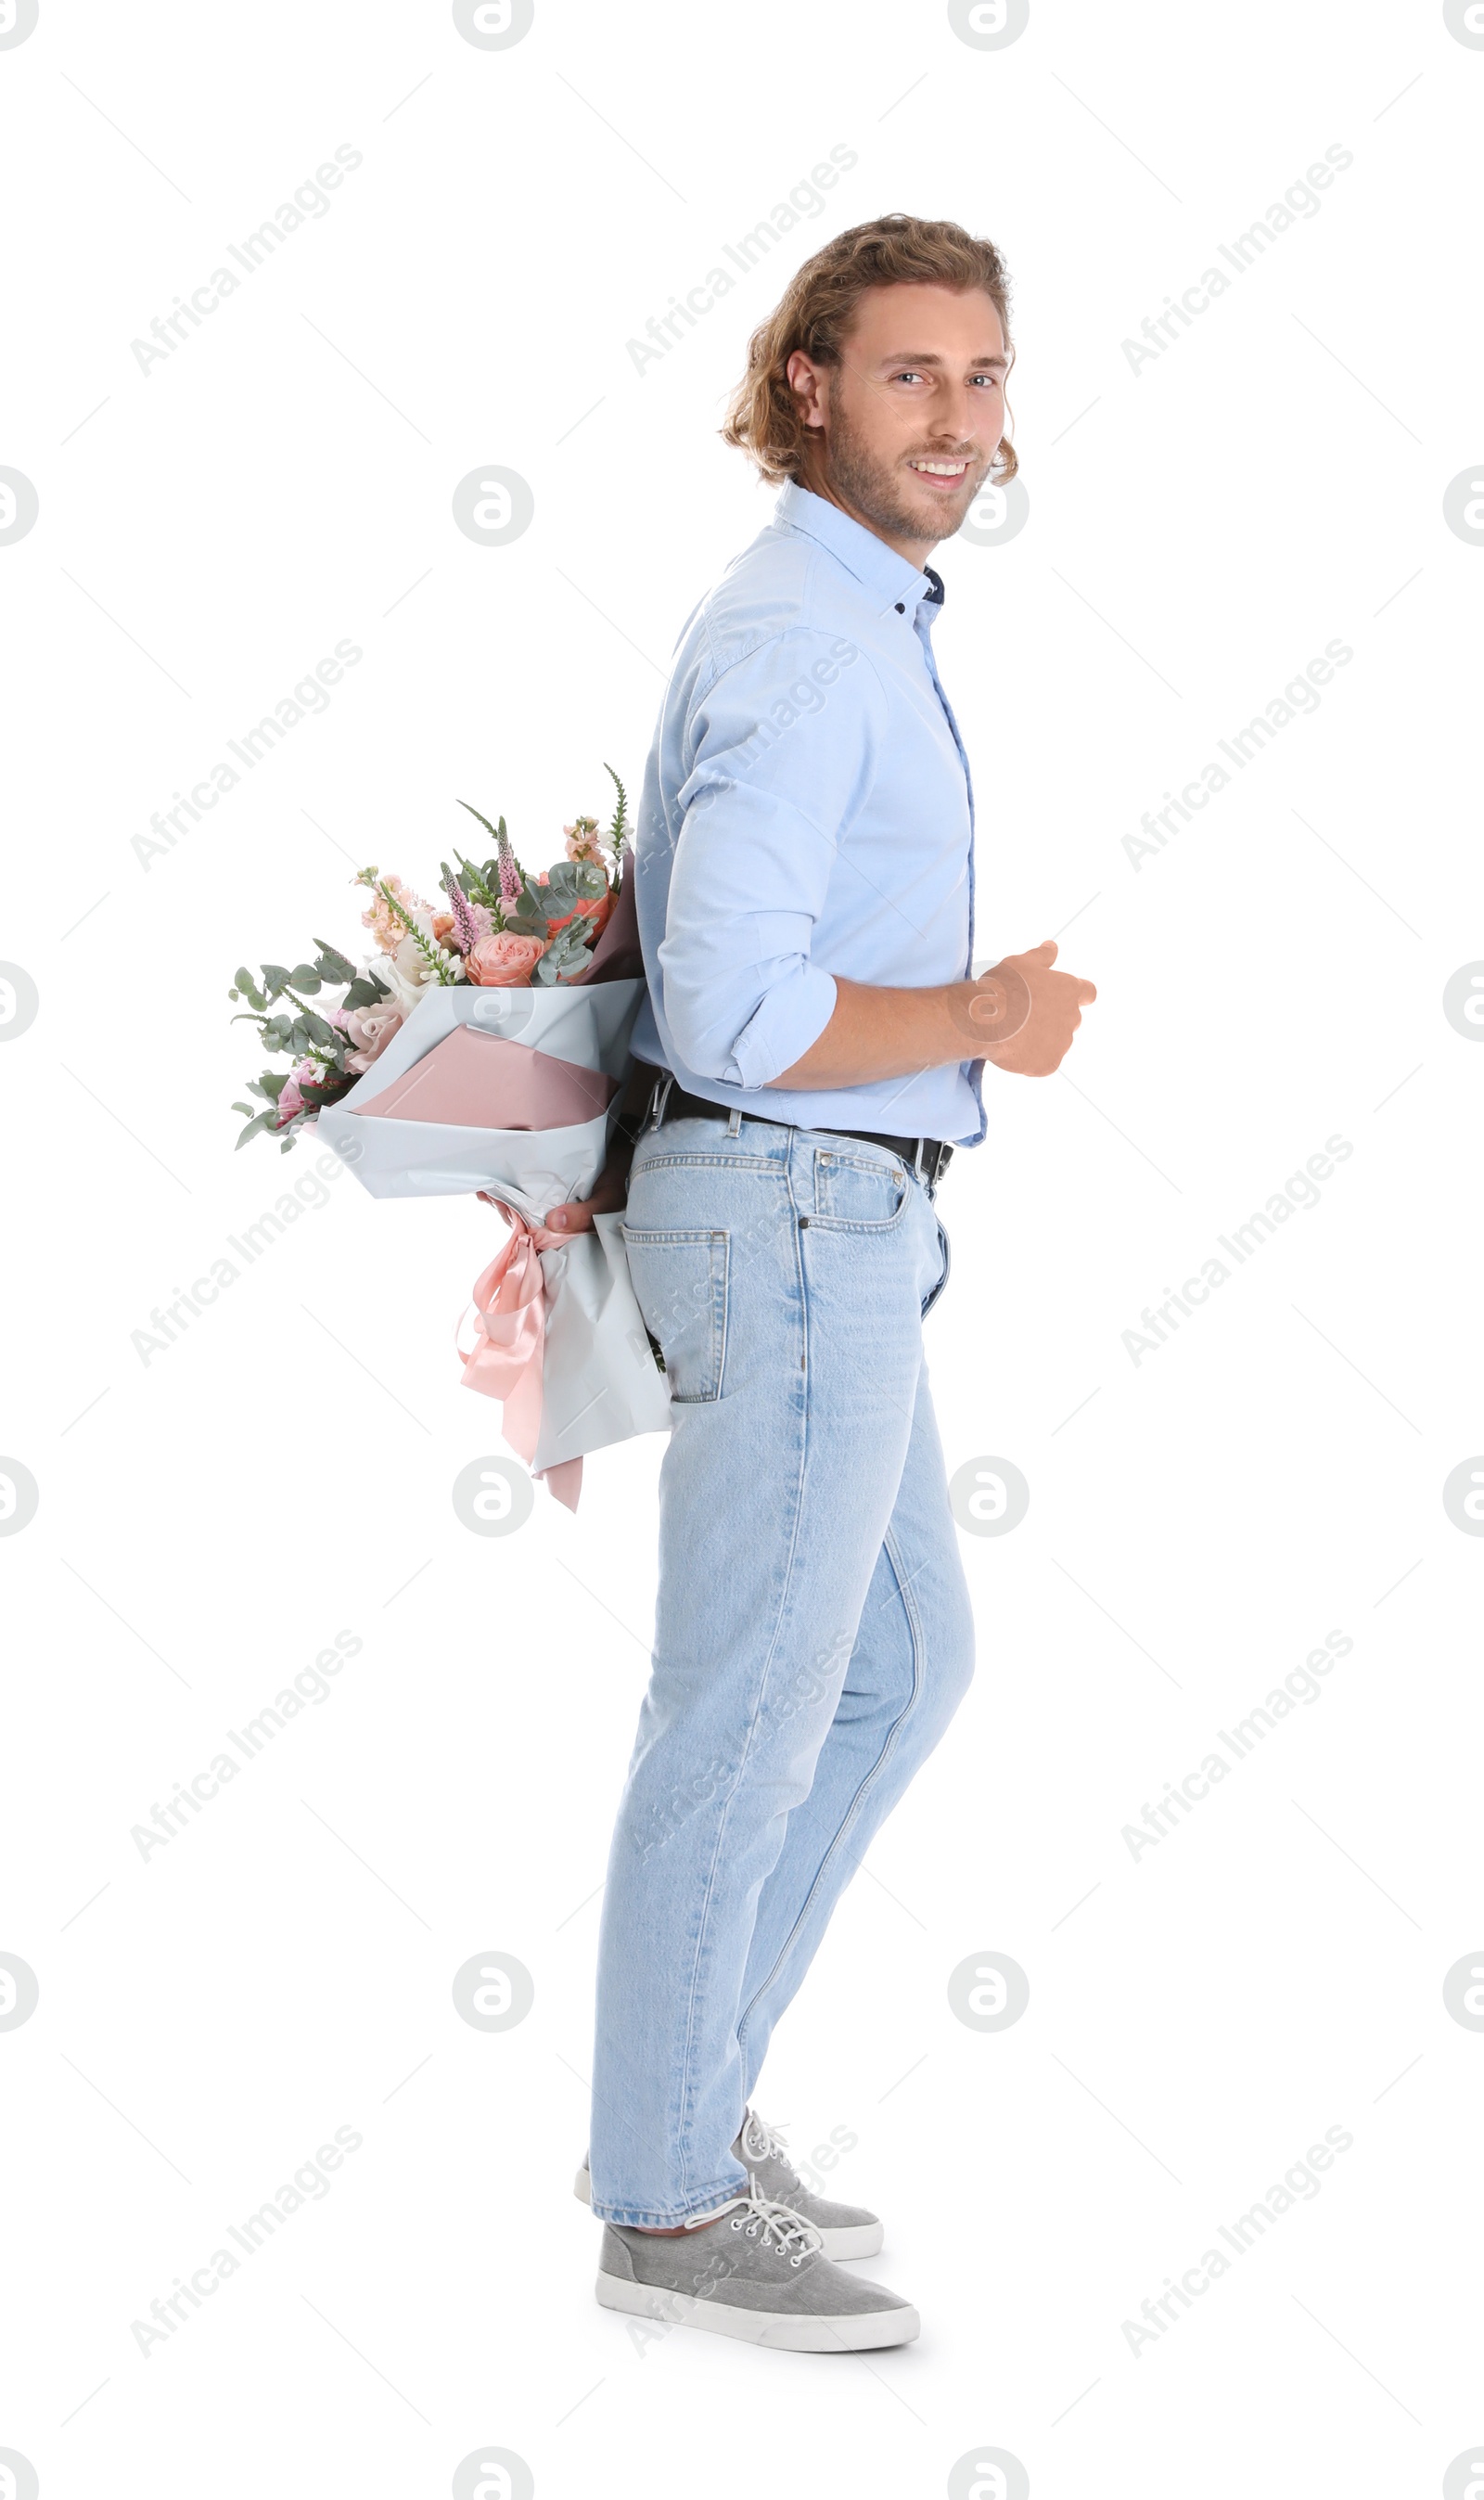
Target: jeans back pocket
[{"x": 679, "y": 1277}]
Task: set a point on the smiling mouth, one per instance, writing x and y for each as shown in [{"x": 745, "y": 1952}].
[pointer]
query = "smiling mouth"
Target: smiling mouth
[{"x": 941, "y": 475}]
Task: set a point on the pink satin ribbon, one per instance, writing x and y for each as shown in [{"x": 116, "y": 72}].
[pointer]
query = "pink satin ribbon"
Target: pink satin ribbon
[{"x": 507, "y": 1358}]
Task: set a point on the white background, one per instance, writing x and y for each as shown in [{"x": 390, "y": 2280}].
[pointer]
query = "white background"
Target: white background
[{"x": 211, "y": 1517}]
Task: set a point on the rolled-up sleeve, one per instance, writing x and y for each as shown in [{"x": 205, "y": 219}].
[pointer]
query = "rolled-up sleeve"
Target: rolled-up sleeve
[{"x": 784, "y": 743}]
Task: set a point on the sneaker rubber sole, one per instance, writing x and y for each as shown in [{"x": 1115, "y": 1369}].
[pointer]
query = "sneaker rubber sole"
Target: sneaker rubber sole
[
  {"x": 854, "y": 2240},
  {"x": 866, "y": 2331}
]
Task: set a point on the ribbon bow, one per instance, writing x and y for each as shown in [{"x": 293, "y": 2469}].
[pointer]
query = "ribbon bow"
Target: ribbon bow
[{"x": 507, "y": 1358}]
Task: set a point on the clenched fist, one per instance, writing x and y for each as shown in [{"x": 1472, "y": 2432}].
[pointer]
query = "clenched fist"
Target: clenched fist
[{"x": 1036, "y": 1011}]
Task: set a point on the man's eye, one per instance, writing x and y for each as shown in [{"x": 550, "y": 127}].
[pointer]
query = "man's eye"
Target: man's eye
[{"x": 908, "y": 374}]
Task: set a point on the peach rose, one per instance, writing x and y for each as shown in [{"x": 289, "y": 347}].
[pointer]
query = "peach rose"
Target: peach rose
[{"x": 504, "y": 962}]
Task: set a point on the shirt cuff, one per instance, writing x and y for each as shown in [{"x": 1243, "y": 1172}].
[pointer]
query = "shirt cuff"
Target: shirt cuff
[{"x": 793, "y": 1015}]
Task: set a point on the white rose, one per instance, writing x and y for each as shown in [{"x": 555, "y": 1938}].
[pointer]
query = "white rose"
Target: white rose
[{"x": 405, "y": 974}]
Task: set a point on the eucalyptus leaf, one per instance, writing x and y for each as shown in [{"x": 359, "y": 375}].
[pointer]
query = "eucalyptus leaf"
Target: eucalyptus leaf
[
  {"x": 365, "y": 990},
  {"x": 331, "y": 964}
]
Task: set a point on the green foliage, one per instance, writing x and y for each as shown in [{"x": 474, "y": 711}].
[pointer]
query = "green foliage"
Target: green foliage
[
  {"x": 365, "y": 990},
  {"x": 569, "y": 952},
  {"x": 497, "y": 833},
  {"x": 277, "y": 978},
  {"x": 301, "y": 1036},
  {"x": 571, "y": 882},
  {"x": 619, "y": 829},
  {"x": 528, "y": 917}
]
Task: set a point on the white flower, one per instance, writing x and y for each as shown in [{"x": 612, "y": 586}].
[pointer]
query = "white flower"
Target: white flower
[{"x": 406, "y": 974}]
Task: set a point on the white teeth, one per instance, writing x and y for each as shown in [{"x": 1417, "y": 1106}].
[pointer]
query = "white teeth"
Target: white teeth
[{"x": 941, "y": 468}]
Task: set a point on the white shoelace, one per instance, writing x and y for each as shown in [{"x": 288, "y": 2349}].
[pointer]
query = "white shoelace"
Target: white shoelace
[
  {"x": 776, "y": 2226},
  {"x": 764, "y": 2143}
]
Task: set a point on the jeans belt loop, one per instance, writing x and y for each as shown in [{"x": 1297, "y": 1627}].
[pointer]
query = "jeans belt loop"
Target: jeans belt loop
[{"x": 918, "y": 1161}]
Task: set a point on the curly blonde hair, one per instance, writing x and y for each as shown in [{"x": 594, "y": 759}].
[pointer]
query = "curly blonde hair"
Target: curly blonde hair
[{"x": 765, "y": 417}]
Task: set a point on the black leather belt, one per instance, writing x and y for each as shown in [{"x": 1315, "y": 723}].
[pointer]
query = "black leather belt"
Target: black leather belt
[{"x": 934, "y": 1152}]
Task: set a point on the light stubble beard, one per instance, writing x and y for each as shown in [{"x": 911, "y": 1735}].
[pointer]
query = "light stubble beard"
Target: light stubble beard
[{"x": 872, "y": 490}]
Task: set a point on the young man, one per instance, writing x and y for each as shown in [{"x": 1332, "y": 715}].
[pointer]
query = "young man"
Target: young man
[{"x": 811, "y": 1049}]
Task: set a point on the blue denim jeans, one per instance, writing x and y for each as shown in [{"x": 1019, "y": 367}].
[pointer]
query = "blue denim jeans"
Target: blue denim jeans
[{"x": 813, "y": 1630}]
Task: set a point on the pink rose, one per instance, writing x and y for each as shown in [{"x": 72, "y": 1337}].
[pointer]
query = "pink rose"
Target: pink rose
[
  {"x": 504, "y": 962},
  {"x": 291, "y": 1101},
  {"x": 370, "y": 1029}
]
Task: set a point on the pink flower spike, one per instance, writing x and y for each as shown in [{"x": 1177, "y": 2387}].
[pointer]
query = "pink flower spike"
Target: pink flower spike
[{"x": 466, "y": 930}]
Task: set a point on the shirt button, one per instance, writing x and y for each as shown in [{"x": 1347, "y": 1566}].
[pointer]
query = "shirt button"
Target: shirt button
[{"x": 900, "y": 609}]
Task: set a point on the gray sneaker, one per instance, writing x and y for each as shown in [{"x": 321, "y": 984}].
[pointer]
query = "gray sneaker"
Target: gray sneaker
[
  {"x": 759, "y": 2274},
  {"x": 844, "y": 2230}
]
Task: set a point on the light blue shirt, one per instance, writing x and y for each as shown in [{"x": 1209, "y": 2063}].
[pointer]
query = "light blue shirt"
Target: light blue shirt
[{"x": 806, "y": 810}]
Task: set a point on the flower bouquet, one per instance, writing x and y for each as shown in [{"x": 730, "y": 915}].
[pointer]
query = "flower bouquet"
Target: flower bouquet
[{"x": 481, "y": 1047}]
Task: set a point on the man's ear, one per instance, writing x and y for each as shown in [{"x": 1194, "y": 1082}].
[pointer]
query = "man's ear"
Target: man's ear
[{"x": 810, "y": 385}]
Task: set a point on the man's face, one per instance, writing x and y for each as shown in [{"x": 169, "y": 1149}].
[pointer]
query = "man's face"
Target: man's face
[{"x": 904, "y": 429}]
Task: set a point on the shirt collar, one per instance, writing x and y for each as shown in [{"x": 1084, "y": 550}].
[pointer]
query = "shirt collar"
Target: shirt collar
[{"x": 885, "y": 573}]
